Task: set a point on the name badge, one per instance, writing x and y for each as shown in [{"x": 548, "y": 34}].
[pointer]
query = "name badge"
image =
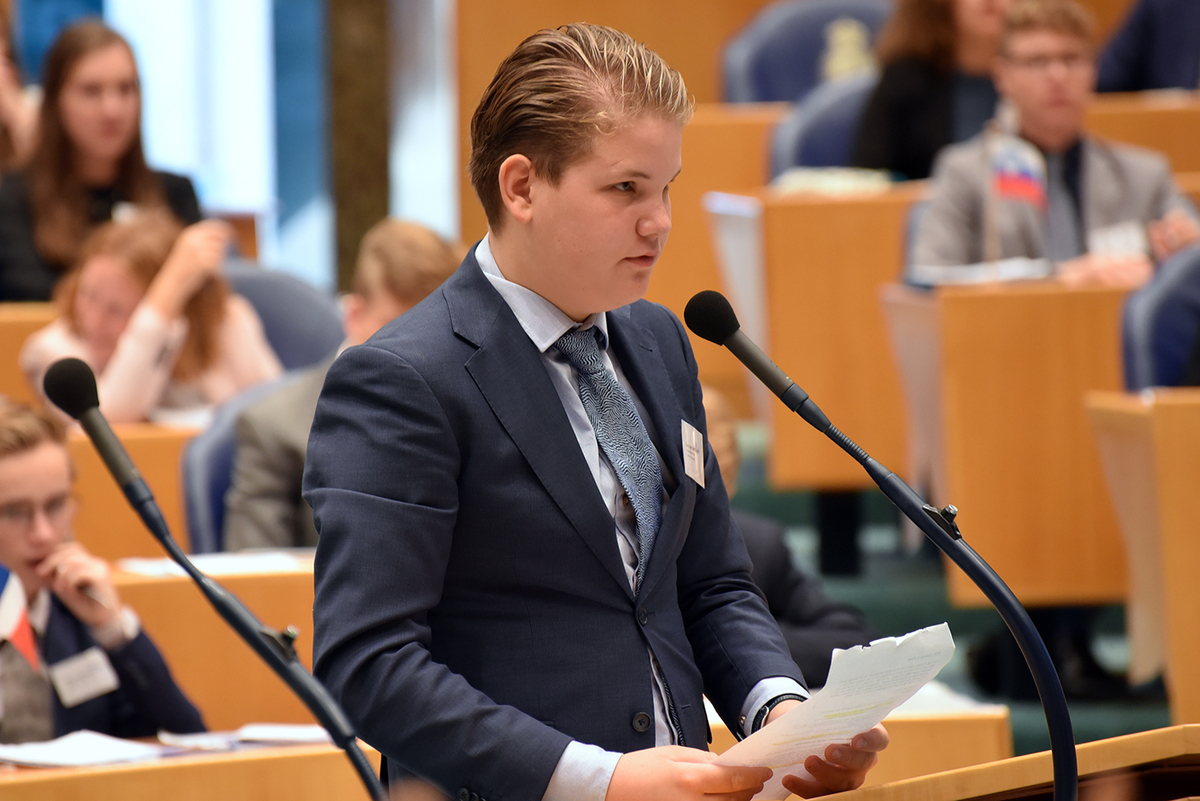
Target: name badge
[
  {"x": 1115, "y": 241},
  {"x": 83, "y": 677},
  {"x": 693, "y": 453}
]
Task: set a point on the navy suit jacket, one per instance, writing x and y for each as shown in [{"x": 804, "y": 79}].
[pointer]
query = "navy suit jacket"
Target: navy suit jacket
[
  {"x": 147, "y": 700},
  {"x": 472, "y": 612},
  {"x": 1158, "y": 47}
]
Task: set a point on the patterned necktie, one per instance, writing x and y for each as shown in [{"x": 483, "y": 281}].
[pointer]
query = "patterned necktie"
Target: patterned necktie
[
  {"x": 1062, "y": 224},
  {"x": 620, "y": 432}
]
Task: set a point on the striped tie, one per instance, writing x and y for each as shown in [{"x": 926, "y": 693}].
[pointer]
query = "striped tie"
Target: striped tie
[{"x": 620, "y": 432}]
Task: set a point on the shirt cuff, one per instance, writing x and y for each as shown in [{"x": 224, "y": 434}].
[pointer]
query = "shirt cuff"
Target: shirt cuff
[
  {"x": 582, "y": 774},
  {"x": 765, "y": 691},
  {"x": 119, "y": 631}
]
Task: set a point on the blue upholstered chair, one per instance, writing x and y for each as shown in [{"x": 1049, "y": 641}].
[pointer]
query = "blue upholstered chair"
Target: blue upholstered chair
[
  {"x": 302, "y": 323},
  {"x": 206, "y": 469},
  {"x": 1161, "y": 324},
  {"x": 779, "y": 55},
  {"x": 819, "y": 132}
]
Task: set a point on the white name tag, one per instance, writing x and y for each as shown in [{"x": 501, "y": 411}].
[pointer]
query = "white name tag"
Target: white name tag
[
  {"x": 693, "y": 453},
  {"x": 1123, "y": 239},
  {"x": 83, "y": 677}
]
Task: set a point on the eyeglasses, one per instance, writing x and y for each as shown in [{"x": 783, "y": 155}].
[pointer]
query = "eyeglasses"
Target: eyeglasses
[
  {"x": 17, "y": 517},
  {"x": 1041, "y": 62}
]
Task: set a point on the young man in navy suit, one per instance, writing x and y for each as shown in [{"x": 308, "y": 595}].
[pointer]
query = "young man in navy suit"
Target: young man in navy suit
[{"x": 517, "y": 594}]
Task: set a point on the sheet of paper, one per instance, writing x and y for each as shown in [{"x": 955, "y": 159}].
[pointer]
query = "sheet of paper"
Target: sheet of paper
[
  {"x": 78, "y": 749},
  {"x": 283, "y": 733},
  {"x": 865, "y": 684},
  {"x": 222, "y": 564}
]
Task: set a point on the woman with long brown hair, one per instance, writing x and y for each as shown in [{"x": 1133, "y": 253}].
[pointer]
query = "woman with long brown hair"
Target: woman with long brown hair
[
  {"x": 148, "y": 309},
  {"x": 936, "y": 87},
  {"x": 87, "y": 160}
]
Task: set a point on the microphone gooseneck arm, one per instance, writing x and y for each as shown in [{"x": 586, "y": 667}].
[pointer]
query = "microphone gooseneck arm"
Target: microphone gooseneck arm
[
  {"x": 66, "y": 386},
  {"x": 709, "y": 313}
]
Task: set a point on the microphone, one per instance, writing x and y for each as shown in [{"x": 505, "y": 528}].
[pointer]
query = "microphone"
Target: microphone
[
  {"x": 71, "y": 386},
  {"x": 709, "y": 315}
]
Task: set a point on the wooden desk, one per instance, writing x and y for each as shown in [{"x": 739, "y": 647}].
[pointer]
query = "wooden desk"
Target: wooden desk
[
  {"x": 1150, "y": 447},
  {"x": 1150, "y": 766},
  {"x": 925, "y": 744},
  {"x": 105, "y": 523},
  {"x": 295, "y": 773},
  {"x": 823, "y": 259},
  {"x": 724, "y": 149},
  {"x": 1015, "y": 452},
  {"x": 1166, "y": 122},
  {"x": 226, "y": 681},
  {"x": 17, "y": 322}
]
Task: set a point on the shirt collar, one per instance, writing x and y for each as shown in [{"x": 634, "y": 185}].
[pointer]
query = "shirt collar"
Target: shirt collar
[{"x": 542, "y": 320}]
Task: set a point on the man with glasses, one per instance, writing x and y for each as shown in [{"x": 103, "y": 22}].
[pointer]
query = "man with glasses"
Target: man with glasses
[
  {"x": 72, "y": 656},
  {"x": 1035, "y": 196}
]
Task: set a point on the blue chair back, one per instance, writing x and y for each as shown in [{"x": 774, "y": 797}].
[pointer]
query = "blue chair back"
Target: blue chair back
[
  {"x": 779, "y": 55},
  {"x": 1161, "y": 324},
  {"x": 819, "y": 132},
  {"x": 302, "y": 323},
  {"x": 206, "y": 469}
]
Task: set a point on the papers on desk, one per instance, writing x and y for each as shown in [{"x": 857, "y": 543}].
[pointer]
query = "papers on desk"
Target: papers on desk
[
  {"x": 269, "y": 733},
  {"x": 225, "y": 563},
  {"x": 864, "y": 685},
  {"x": 80, "y": 749}
]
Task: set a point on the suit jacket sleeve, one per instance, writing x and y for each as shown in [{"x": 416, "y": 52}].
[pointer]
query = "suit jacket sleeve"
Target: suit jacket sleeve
[
  {"x": 154, "y": 700},
  {"x": 951, "y": 229},
  {"x": 264, "y": 508},
  {"x": 386, "y": 528}
]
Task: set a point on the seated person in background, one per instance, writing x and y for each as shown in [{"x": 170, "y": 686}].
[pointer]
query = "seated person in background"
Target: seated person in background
[
  {"x": 399, "y": 263},
  {"x": 1158, "y": 47},
  {"x": 86, "y": 160},
  {"x": 73, "y": 657},
  {"x": 936, "y": 87},
  {"x": 1046, "y": 195},
  {"x": 813, "y": 624},
  {"x": 148, "y": 310}
]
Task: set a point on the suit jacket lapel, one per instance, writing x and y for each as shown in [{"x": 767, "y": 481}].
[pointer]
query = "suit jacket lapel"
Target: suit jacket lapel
[{"x": 512, "y": 377}]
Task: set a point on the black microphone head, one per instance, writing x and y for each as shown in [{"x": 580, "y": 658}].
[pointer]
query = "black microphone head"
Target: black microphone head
[
  {"x": 71, "y": 386},
  {"x": 711, "y": 317}
]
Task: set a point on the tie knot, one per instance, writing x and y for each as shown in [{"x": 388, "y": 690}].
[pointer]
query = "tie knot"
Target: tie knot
[{"x": 581, "y": 347}]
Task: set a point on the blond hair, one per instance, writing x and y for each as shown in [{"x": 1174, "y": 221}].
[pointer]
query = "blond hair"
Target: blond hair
[
  {"x": 1064, "y": 17},
  {"x": 404, "y": 259},
  {"x": 558, "y": 91},
  {"x": 23, "y": 428}
]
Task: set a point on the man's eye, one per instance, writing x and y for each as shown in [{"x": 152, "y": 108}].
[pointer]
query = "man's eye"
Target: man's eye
[{"x": 624, "y": 186}]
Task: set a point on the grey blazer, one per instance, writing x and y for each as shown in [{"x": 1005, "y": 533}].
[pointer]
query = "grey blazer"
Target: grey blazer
[
  {"x": 1119, "y": 184},
  {"x": 263, "y": 508}
]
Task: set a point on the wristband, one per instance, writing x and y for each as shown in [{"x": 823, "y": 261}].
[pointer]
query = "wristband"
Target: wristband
[{"x": 765, "y": 709}]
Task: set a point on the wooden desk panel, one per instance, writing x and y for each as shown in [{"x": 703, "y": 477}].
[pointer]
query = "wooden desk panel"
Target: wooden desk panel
[
  {"x": 1015, "y": 455},
  {"x": 17, "y": 322},
  {"x": 1150, "y": 447},
  {"x": 296, "y": 773},
  {"x": 724, "y": 149},
  {"x": 1100, "y": 763},
  {"x": 105, "y": 523},
  {"x": 1168, "y": 123},
  {"x": 226, "y": 681}
]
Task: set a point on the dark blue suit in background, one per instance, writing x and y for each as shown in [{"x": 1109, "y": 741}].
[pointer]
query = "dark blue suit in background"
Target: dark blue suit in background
[
  {"x": 1158, "y": 47},
  {"x": 472, "y": 611},
  {"x": 147, "y": 700}
]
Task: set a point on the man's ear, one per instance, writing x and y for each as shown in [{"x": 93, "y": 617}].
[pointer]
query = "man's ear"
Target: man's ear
[{"x": 516, "y": 178}]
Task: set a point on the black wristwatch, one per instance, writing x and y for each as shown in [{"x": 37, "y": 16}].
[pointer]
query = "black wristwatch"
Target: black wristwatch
[{"x": 766, "y": 708}]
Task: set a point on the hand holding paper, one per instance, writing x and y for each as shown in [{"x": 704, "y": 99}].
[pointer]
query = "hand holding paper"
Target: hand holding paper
[{"x": 865, "y": 684}]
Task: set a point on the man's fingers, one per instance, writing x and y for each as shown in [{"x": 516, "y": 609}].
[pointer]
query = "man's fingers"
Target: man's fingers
[
  {"x": 874, "y": 739},
  {"x": 835, "y": 777}
]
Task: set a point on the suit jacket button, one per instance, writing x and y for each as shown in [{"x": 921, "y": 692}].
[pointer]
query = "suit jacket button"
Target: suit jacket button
[
  {"x": 641, "y": 722},
  {"x": 464, "y": 794},
  {"x": 643, "y": 616}
]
